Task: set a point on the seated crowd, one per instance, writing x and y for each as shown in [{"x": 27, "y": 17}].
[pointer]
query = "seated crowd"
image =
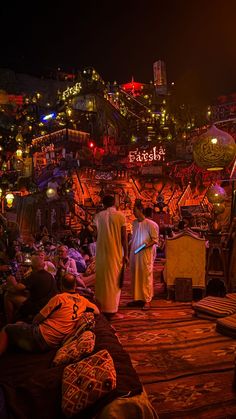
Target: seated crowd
[{"x": 31, "y": 274}]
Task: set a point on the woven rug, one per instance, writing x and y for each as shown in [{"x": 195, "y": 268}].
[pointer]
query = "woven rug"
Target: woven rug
[{"x": 186, "y": 367}]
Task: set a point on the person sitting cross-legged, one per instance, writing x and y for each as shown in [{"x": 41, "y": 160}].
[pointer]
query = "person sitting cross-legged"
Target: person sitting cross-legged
[{"x": 52, "y": 324}]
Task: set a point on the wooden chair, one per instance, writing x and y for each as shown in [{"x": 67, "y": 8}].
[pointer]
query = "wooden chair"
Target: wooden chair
[{"x": 185, "y": 258}]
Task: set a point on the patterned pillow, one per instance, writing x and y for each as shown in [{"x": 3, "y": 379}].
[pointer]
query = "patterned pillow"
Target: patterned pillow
[
  {"x": 76, "y": 349},
  {"x": 85, "y": 322},
  {"x": 87, "y": 381},
  {"x": 91, "y": 268}
]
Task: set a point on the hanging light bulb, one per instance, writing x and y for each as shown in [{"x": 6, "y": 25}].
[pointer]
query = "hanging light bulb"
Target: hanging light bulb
[{"x": 51, "y": 193}]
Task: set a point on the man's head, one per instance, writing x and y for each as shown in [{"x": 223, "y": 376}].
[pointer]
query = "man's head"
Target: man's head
[
  {"x": 41, "y": 254},
  {"x": 108, "y": 201},
  {"x": 148, "y": 212},
  {"x": 138, "y": 209},
  {"x": 37, "y": 263},
  {"x": 62, "y": 251},
  {"x": 68, "y": 282}
]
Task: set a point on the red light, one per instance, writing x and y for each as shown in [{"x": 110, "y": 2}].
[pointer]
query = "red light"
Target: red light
[{"x": 91, "y": 144}]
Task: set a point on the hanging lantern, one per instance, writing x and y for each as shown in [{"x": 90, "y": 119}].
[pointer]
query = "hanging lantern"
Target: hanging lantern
[
  {"x": 19, "y": 138},
  {"x": 214, "y": 150},
  {"x": 51, "y": 193},
  {"x": 19, "y": 152},
  {"x": 9, "y": 199},
  {"x": 218, "y": 208},
  {"x": 0, "y": 193},
  {"x": 216, "y": 194}
]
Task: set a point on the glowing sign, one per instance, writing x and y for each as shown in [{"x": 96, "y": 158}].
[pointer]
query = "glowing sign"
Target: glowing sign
[
  {"x": 71, "y": 91},
  {"x": 142, "y": 156}
]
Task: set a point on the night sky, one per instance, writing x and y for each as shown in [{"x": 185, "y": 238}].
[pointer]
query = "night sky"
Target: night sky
[{"x": 121, "y": 39}]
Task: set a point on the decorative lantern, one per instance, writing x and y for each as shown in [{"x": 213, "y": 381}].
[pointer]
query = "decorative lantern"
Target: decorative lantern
[
  {"x": 51, "y": 193},
  {"x": 19, "y": 138},
  {"x": 214, "y": 150},
  {"x": 218, "y": 208},
  {"x": 19, "y": 152},
  {"x": 216, "y": 194},
  {"x": 4, "y": 166},
  {"x": 9, "y": 199}
]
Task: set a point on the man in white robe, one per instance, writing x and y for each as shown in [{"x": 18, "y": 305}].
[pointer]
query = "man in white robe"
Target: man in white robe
[
  {"x": 111, "y": 256},
  {"x": 145, "y": 232}
]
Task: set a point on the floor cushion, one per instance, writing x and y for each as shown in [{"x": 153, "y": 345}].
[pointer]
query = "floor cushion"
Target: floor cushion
[
  {"x": 231, "y": 296},
  {"x": 86, "y": 381},
  {"x": 76, "y": 349},
  {"x": 85, "y": 322},
  {"x": 227, "y": 326},
  {"x": 215, "y": 306}
]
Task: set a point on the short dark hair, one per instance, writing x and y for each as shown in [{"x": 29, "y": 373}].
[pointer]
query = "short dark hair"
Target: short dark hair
[
  {"x": 138, "y": 204},
  {"x": 68, "y": 281},
  {"x": 148, "y": 212},
  {"x": 108, "y": 201}
]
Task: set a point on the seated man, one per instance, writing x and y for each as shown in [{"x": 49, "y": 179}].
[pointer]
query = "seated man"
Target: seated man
[
  {"x": 41, "y": 286},
  {"x": 52, "y": 324}
]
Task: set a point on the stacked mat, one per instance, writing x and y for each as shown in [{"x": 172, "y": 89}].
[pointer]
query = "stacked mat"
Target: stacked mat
[
  {"x": 227, "y": 326},
  {"x": 215, "y": 307}
]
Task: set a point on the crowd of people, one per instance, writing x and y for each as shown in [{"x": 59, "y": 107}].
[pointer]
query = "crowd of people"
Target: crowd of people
[{"x": 34, "y": 273}]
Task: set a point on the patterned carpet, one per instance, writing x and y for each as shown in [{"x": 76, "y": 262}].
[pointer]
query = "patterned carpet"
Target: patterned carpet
[{"x": 185, "y": 366}]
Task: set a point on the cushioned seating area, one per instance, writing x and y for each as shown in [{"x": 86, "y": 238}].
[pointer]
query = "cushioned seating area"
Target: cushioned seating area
[
  {"x": 215, "y": 307},
  {"x": 32, "y": 388},
  {"x": 227, "y": 326}
]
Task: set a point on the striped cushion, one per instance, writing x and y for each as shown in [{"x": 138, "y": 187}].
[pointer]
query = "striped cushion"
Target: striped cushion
[
  {"x": 227, "y": 326},
  {"x": 232, "y": 296},
  {"x": 215, "y": 306}
]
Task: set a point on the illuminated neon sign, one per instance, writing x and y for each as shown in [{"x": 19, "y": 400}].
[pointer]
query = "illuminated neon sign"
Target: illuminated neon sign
[
  {"x": 71, "y": 91},
  {"x": 142, "y": 156}
]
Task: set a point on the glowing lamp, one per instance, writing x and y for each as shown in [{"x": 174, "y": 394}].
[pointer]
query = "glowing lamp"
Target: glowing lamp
[
  {"x": 9, "y": 199},
  {"x": 216, "y": 194},
  {"x": 19, "y": 152},
  {"x": 51, "y": 193},
  {"x": 27, "y": 259},
  {"x": 218, "y": 208},
  {"x": 0, "y": 192},
  {"x": 19, "y": 138},
  {"x": 91, "y": 144},
  {"x": 214, "y": 150}
]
